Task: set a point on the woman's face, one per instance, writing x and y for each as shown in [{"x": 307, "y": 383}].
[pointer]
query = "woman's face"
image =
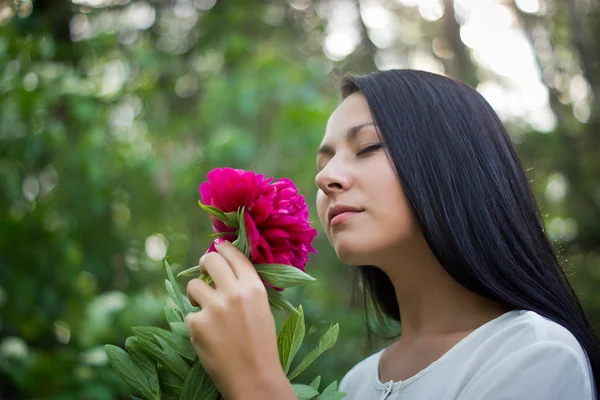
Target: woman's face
[{"x": 354, "y": 171}]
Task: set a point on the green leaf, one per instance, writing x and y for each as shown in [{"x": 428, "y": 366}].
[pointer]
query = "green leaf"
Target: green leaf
[
  {"x": 278, "y": 302},
  {"x": 146, "y": 364},
  {"x": 198, "y": 385},
  {"x": 325, "y": 343},
  {"x": 171, "y": 293},
  {"x": 315, "y": 383},
  {"x": 193, "y": 271},
  {"x": 304, "y": 392},
  {"x": 206, "y": 278},
  {"x": 233, "y": 218},
  {"x": 128, "y": 370},
  {"x": 182, "y": 346},
  {"x": 172, "y": 315},
  {"x": 290, "y": 338},
  {"x": 170, "y": 383},
  {"x": 331, "y": 396},
  {"x": 229, "y": 219},
  {"x": 180, "y": 329},
  {"x": 241, "y": 243},
  {"x": 189, "y": 305},
  {"x": 165, "y": 355},
  {"x": 175, "y": 292},
  {"x": 221, "y": 234},
  {"x": 283, "y": 276},
  {"x": 332, "y": 387},
  {"x": 331, "y": 393}
]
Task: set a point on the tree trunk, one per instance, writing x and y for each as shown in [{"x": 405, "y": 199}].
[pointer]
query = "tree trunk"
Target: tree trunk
[{"x": 460, "y": 66}]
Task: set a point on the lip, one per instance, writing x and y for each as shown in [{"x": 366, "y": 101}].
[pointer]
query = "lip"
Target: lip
[
  {"x": 338, "y": 219},
  {"x": 341, "y": 209}
]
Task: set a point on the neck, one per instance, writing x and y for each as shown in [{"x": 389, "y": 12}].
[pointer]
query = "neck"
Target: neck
[{"x": 431, "y": 302}]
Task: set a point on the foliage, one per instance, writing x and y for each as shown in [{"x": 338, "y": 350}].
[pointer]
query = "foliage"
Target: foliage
[
  {"x": 161, "y": 364},
  {"x": 112, "y": 112}
]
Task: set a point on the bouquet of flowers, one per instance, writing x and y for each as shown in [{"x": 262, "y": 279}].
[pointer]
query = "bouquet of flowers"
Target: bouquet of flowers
[{"x": 267, "y": 221}]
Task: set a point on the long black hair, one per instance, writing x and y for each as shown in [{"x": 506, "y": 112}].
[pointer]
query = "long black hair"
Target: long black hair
[{"x": 470, "y": 196}]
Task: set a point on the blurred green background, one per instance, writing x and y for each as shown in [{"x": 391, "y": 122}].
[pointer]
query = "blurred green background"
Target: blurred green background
[{"x": 113, "y": 111}]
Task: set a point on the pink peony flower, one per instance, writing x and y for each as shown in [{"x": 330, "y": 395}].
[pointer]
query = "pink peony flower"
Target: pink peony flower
[{"x": 276, "y": 215}]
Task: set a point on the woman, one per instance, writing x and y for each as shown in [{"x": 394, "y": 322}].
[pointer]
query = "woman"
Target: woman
[{"x": 420, "y": 187}]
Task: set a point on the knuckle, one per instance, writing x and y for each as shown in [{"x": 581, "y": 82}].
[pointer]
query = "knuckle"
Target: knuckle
[
  {"x": 236, "y": 298},
  {"x": 192, "y": 321},
  {"x": 207, "y": 259},
  {"x": 216, "y": 307},
  {"x": 247, "y": 294},
  {"x": 258, "y": 290},
  {"x": 191, "y": 285},
  {"x": 199, "y": 319},
  {"x": 196, "y": 325},
  {"x": 193, "y": 291}
]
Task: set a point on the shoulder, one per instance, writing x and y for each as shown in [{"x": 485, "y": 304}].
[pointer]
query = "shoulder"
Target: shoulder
[
  {"x": 534, "y": 354},
  {"x": 531, "y": 330},
  {"x": 365, "y": 370}
]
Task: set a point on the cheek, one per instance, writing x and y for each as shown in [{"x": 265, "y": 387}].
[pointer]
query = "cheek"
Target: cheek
[
  {"x": 388, "y": 224},
  {"x": 401, "y": 221},
  {"x": 394, "y": 211},
  {"x": 395, "y": 216}
]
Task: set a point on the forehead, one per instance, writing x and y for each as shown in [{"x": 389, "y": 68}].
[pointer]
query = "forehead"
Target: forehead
[{"x": 352, "y": 111}]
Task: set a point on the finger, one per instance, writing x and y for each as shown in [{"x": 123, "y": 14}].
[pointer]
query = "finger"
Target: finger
[
  {"x": 239, "y": 263},
  {"x": 199, "y": 293},
  {"x": 218, "y": 269}
]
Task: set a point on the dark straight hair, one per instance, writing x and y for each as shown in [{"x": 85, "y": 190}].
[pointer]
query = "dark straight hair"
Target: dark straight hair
[{"x": 470, "y": 196}]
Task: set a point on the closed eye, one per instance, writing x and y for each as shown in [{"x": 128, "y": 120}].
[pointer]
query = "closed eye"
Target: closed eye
[{"x": 370, "y": 148}]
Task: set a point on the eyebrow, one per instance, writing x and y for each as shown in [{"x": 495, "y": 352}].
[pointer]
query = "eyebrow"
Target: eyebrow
[{"x": 350, "y": 136}]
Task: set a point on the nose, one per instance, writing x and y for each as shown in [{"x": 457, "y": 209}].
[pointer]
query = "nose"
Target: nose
[{"x": 331, "y": 180}]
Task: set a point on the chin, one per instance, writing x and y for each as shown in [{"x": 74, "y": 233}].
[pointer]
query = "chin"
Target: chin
[{"x": 352, "y": 253}]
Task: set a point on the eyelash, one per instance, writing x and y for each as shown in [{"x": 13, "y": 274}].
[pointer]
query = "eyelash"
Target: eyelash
[
  {"x": 366, "y": 150},
  {"x": 370, "y": 148}
]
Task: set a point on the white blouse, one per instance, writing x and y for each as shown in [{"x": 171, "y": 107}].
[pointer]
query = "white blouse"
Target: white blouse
[{"x": 518, "y": 356}]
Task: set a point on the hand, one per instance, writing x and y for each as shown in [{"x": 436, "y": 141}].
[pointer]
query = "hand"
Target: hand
[{"x": 234, "y": 332}]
